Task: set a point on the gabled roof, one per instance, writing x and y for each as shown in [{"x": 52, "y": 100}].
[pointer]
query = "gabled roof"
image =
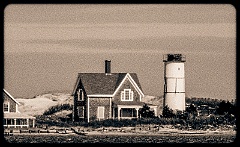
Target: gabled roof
[
  {"x": 102, "y": 83},
  {"x": 10, "y": 96}
]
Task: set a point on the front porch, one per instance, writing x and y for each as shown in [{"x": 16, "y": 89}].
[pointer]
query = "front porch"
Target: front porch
[
  {"x": 126, "y": 112},
  {"x": 18, "y": 120},
  {"x": 129, "y": 111}
]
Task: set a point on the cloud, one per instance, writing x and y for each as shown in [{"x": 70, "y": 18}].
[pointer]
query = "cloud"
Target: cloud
[
  {"x": 148, "y": 45},
  {"x": 113, "y": 31},
  {"x": 111, "y": 13}
]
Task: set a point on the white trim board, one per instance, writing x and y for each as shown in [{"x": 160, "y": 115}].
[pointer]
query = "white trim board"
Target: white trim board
[{"x": 132, "y": 82}]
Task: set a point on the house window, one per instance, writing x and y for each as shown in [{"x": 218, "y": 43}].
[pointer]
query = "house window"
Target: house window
[
  {"x": 81, "y": 111},
  {"x": 6, "y": 107},
  {"x": 127, "y": 95},
  {"x": 80, "y": 95},
  {"x": 128, "y": 112},
  {"x": 100, "y": 112}
]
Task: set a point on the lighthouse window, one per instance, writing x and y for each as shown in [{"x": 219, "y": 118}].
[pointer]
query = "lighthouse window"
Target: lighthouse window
[{"x": 127, "y": 95}]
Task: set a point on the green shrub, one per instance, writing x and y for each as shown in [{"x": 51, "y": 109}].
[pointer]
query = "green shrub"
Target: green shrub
[{"x": 57, "y": 108}]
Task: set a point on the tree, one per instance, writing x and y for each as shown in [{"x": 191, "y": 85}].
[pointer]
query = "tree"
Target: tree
[
  {"x": 167, "y": 112},
  {"x": 225, "y": 108},
  {"x": 146, "y": 112},
  {"x": 192, "y": 109}
]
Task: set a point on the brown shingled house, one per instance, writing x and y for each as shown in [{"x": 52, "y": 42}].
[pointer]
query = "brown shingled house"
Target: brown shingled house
[
  {"x": 12, "y": 117},
  {"x": 99, "y": 96}
]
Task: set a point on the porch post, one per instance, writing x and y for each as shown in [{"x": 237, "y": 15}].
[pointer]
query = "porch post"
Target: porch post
[
  {"x": 155, "y": 111},
  {"x": 33, "y": 123},
  {"x": 113, "y": 111},
  {"x": 27, "y": 122},
  {"x": 119, "y": 113},
  {"x": 15, "y": 123},
  {"x": 110, "y": 111},
  {"x": 137, "y": 111}
]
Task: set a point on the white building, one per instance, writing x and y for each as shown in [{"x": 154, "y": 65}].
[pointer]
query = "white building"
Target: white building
[{"x": 174, "y": 81}]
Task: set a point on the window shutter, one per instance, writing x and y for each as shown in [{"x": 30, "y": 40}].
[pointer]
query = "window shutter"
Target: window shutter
[{"x": 122, "y": 95}]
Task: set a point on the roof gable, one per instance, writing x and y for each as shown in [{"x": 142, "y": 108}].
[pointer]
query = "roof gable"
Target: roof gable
[
  {"x": 132, "y": 77},
  {"x": 102, "y": 83},
  {"x": 11, "y": 97}
]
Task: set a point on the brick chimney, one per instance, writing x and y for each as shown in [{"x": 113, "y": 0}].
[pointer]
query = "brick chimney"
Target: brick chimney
[{"x": 107, "y": 66}]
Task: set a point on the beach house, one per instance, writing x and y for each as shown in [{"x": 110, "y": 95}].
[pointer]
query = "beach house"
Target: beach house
[
  {"x": 106, "y": 95},
  {"x": 12, "y": 118}
]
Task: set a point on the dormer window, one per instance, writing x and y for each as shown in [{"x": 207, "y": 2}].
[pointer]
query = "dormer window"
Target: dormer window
[
  {"x": 80, "y": 95},
  {"x": 127, "y": 95},
  {"x": 6, "y": 107}
]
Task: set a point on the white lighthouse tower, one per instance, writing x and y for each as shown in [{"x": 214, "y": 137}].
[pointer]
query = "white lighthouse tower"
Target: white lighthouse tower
[{"x": 174, "y": 81}]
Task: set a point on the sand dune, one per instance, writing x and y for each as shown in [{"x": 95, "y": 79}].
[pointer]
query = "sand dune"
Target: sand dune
[{"x": 40, "y": 103}]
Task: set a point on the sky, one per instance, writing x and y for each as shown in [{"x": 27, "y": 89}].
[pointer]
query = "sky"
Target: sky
[{"x": 47, "y": 45}]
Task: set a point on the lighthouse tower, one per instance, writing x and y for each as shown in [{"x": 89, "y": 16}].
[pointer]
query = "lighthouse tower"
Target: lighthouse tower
[{"x": 174, "y": 81}]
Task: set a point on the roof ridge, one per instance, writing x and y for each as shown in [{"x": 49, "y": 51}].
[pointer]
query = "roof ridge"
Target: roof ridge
[{"x": 102, "y": 83}]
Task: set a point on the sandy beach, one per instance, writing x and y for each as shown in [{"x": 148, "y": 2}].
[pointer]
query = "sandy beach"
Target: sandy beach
[
  {"x": 124, "y": 135},
  {"x": 125, "y": 131},
  {"x": 165, "y": 132}
]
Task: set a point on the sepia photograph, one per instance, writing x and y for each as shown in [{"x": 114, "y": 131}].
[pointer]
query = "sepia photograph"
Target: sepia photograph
[{"x": 119, "y": 73}]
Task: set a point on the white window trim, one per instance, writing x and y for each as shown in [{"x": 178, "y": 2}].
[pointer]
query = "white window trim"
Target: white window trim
[
  {"x": 17, "y": 108},
  {"x": 80, "y": 92},
  {"x": 82, "y": 111},
  {"x": 128, "y": 76},
  {"x": 8, "y": 105},
  {"x": 123, "y": 95},
  {"x": 100, "y": 95},
  {"x": 88, "y": 112}
]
